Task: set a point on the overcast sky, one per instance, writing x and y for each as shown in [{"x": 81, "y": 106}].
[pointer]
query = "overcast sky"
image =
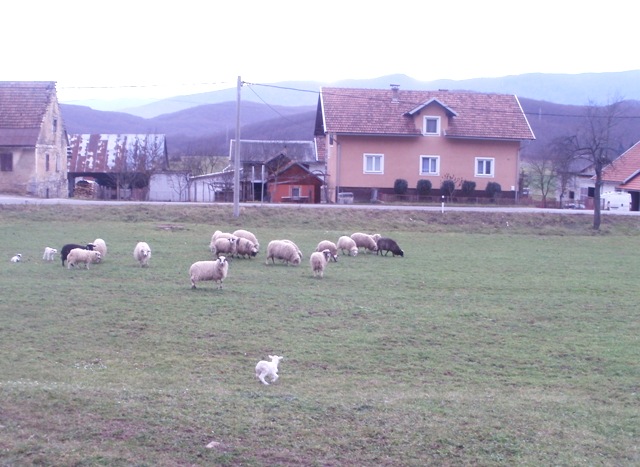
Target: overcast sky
[{"x": 112, "y": 49}]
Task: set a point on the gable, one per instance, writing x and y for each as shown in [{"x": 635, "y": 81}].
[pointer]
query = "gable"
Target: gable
[
  {"x": 23, "y": 106},
  {"x": 261, "y": 151},
  {"x": 393, "y": 112},
  {"x": 624, "y": 167}
]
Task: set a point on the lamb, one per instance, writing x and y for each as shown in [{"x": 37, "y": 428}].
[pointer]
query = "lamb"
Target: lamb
[
  {"x": 80, "y": 255},
  {"x": 245, "y": 247},
  {"x": 347, "y": 243},
  {"x": 64, "y": 251},
  {"x": 329, "y": 245},
  {"x": 142, "y": 253},
  {"x": 269, "y": 370},
  {"x": 100, "y": 245},
  {"x": 365, "y": 241},
  {"x": 248, "y": 235},
  {"x": 16, "y": 258},
  {"x": 318, "y": 262},
  {"x": 49, "y": 253},
  {"x": 223, "y": 245},
  {"x": 388, "y": 245},
  {"x": 209, "y": 271},
  {"x": 283, "y": 250}
]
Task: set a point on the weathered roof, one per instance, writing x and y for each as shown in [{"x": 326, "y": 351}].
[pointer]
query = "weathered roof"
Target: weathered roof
[
  {"x": 23, "y": 105},
  {"x": 113, "y": 153},
  {"x": 625, "y": 169},
  {"x": 260, "y": 151},
  {"x": 389, "y": 113}
]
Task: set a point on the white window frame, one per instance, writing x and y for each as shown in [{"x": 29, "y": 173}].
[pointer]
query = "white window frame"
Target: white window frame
[
  {"x": 366, "y": 157},
  {"x": 437, "y": 170},
  {"x": 424, "y": 125},
  {"x": 484, "y": 173}
]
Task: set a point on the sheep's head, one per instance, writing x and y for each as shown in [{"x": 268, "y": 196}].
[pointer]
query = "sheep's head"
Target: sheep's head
[
  {"x": 354, "y": 251},
  {"x": 221, "y": 260},
  {"x": 327, "y": 255},
  {"x": 275, "y": 359}
]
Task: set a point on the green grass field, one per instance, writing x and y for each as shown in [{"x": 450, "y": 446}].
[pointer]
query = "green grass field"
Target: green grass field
[{"x": 499, "y": 339}]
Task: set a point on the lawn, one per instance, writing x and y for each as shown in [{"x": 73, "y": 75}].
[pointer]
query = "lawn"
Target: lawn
[{"x": 498, "y": 339}]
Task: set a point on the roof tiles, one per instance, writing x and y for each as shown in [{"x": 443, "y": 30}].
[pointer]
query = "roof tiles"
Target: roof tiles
[
  {"x": 386, "y": 112},
  {"x": 23, "y": 105}
]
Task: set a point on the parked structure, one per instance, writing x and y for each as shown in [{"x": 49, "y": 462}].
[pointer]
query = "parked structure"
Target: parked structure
[
  {"x": 121, "y": 164},
  {"x": 373, "y": 137},
  {"x": 33, "y": 141}
]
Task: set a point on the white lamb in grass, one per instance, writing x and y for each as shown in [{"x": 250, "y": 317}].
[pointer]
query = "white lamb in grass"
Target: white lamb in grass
[{"x": 269, "y": 370}]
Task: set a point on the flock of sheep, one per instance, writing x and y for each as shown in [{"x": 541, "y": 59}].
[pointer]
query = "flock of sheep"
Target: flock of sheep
[
  {"x": 239, "y": 244},
  {"x": 242, "y": 243}
]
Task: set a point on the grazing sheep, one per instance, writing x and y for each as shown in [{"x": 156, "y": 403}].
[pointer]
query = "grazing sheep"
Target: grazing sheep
[
  {"x": 365, "y": 241},
  {"x": 223, "y": 245},
  {"x": 80, "y": 255},
  {"x": 248, "y": 235},
  {"x": 388, "y": 245},
  {"x": 17, "y": 258},
  {"x": 49, "y": 253},
  {"x": 269, "y": 370},
  {"x": 218, "y": 234},
  {"x": 283, "y": 250},
  {"x": 347, "y": 243},
  {"x": 64, "y": 251},
  {"x": 245, "y": 247},
  {"x": 209, "y": 271},
  {"x": 318, "y": 261},
  {"x": 295, "y": 246},
  {"x": 100, "y": 245},
  {"x": 142, "y": 253},
  {"x": 329, "y": 245}
]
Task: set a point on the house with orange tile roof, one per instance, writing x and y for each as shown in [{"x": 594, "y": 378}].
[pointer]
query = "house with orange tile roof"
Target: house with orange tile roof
[
  {"x": 372, "y": 137},
  {"x": 33, "y": 141},
  {"x": 623, "y": 174}
]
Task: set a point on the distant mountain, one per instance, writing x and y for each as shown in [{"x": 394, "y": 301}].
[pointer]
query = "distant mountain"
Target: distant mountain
[{"x": 577, "y": 89}]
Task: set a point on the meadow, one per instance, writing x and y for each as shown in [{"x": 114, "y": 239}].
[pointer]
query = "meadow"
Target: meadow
[{"x": 498, "y": 339}]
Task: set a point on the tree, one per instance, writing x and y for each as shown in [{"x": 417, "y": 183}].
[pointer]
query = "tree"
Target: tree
[
  {"x": 449, "y": 185},
  {"x": 595, "y": 141},
  {"x": 542, "y": 172}
]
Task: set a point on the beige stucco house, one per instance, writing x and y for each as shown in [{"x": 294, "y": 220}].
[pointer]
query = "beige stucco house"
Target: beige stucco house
[
  {"x": 371, "y": 137},
  {"x": 33, "y": 141}
]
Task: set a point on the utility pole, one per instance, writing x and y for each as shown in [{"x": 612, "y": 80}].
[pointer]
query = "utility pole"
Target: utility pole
[{"x": 236, "y": 158}]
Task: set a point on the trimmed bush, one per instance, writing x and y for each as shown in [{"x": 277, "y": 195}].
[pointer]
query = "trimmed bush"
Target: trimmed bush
[
  {"x": 493, "y": 189},
  {"x": 448, "y": 187},
  {"x": 468, "y": 187},
  {"x": 400, "y": 186},
  {"x": 423, "y": 187}
]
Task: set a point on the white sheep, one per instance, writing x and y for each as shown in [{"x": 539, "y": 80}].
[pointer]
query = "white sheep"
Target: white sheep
[
  {"x": 329, "y": 245},
  {"x": 100, "y": 245},
  {"x": 80, "y": 255},
  {"x": 269, "y": 370},
  {"x": 295, "y": 246},
  {"x": 365, "y": 241},
  {"x": 282, "y": 250},
  {"x": 245, "y": 247},
  {"x": 16, "y": 258},
  {"x": 142, "y": 253},
  {"x": 318, "y": 261},
  {"x": 241, "y": 233},
  {"x": 219, "y": 234},
  {"x": 348, "y": 244},
  {"x": 209, "y": 271},
  {"x": 224, "y": 246},
  {"x": 49, "y": 253}
]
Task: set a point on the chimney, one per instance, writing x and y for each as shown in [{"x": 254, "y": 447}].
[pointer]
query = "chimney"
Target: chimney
[{"x": 395, "y": 88}]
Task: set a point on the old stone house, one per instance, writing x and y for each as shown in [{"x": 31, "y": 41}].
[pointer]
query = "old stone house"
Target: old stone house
[{"x": 33, "y": 140}]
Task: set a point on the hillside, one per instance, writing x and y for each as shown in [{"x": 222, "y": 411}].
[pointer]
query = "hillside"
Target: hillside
[{"x": 207, "y": 129}]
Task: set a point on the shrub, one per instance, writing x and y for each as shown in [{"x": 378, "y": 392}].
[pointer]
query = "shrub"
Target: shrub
[
  {"x": 448, "y": 187},
  {"x": 400, "y": 186},
  {"x": 493, "y": 189},
  {"x": 423, "y": 187},
  {"x": 468, "y": 187}
]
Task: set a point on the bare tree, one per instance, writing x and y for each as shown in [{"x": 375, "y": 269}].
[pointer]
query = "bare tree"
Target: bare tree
[
  {"x": 596, "y": 141},
  {"x": 549, "y": 169}
]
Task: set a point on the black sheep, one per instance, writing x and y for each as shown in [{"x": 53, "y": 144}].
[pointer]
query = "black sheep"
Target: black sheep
[
  {"x": 64, "y": 251},
  {"x": 389, "y": 245}
]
